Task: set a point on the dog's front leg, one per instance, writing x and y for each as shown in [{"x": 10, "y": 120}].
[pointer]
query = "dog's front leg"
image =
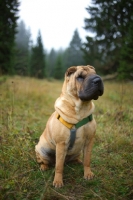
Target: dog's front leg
[
  {"x": 60, "y": 158},
  {"x": 88, "y": 174}
]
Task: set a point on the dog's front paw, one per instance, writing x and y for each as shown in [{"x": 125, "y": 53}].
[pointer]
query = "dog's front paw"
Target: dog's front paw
[
  {"x": 58, "y": 182},
  {"x": 88, "y": 174}
]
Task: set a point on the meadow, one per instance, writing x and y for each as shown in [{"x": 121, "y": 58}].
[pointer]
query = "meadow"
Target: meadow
[{"x": 25, "y": 106}]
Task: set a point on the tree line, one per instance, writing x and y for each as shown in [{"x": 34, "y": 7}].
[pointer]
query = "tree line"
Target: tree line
[
  {"x": 34, "y": 60},
  {"x": 109, "y": 49}
]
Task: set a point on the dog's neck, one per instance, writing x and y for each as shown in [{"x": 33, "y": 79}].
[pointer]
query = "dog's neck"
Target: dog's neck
[
  {"x": 73, "y": 110},
  {"x": 81, "y": 106}
]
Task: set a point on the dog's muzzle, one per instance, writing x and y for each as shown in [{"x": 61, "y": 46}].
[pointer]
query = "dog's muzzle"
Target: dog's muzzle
[{"x": 92, "y": 88}]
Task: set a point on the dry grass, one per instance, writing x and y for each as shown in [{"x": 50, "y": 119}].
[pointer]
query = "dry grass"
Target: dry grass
[{"x": 25, "y": 105}]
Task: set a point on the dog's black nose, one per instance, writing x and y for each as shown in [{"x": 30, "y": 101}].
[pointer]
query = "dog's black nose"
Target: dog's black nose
[
  {"x": 96, "y": 80},
  {"x": 97, "y": 83}
]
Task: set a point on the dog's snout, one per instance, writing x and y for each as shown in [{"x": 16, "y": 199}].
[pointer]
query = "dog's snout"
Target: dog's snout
[
  {"x": 100, "y": 92},
  {"x": 97, "y": 84},
  {"x": 96, "y": 80}
]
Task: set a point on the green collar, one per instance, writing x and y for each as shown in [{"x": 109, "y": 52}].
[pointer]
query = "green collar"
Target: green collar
[{"x": 84, "y": 121}]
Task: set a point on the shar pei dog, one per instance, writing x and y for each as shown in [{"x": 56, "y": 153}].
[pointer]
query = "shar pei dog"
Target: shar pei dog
[{"x": 71, "y": 128}]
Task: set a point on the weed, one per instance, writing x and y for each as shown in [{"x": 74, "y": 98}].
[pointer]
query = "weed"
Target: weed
[{"x": 25, "y": 106}]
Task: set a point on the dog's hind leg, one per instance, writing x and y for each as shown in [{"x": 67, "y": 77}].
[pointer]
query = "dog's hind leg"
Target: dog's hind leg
[
  {"x": 42, "y": 161},
  {"x": 77, "y": 160},
  {"x": 74, "y": 159}
]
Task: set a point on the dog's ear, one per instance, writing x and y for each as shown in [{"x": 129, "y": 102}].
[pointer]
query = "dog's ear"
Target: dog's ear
[
  {"x": 71, "y": 70},
  {"x": 91, "y": 67}
]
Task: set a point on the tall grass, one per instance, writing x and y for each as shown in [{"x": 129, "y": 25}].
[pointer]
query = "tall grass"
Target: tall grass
[{"x": 25, "y": 106}]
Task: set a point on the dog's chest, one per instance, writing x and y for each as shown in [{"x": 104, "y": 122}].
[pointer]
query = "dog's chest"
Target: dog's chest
[{"x": 81, "y": 138}]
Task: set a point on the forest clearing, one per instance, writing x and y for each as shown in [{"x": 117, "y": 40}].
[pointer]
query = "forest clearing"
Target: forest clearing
[{"x": 25, "y": 106}]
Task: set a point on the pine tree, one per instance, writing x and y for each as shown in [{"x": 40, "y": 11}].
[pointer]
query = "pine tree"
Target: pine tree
[
  {"x": 37, "y": 68},
  {"x": 8, "y": 23},
  {"x": 109, "y": 21},
  {"x": 58, "y": 74},
  {"x": 126, "y": 62},
  {"x": 92, "y": 54},
  {"x": 74, "y": 52},
  {"x": 51, "y": 63},
  {"x": 22, "y": 49}
]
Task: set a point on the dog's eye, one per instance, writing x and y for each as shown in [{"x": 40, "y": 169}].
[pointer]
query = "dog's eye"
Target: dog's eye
[{"x": 80, "y": 78}]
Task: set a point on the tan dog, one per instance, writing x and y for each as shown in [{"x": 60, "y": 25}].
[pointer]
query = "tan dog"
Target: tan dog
[{"x": 71, "y": 128}]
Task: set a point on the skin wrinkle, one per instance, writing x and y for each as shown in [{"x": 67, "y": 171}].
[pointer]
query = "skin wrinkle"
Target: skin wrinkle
[
  {"x": 72, "y": 91},
  {"x": 91, "y": 90},
  {"x": 56, "y": 136},
  {"x": 85, "y": 82}
]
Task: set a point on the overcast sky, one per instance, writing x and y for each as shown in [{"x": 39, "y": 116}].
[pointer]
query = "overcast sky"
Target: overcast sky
[{"x": 56, "y": 19}]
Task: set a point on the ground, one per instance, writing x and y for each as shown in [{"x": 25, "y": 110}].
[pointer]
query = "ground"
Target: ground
[{"x": 25, "y": 106}]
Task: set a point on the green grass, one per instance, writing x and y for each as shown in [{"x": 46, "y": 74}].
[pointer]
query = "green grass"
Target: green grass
[{"x": 25, "y": 106}]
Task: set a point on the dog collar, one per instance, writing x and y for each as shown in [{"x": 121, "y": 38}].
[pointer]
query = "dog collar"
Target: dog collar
[{"x": 73, "y": 130}]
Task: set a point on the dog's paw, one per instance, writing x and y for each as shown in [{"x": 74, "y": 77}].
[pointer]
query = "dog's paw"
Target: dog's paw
[
  {"x": 58, "y": 183},
  {"x": 44, "y": 167},
  {"x": 88, "y": 174}
]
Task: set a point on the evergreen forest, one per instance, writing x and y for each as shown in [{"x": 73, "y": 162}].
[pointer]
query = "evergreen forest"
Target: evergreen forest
[{"x": 109, "y": 49}]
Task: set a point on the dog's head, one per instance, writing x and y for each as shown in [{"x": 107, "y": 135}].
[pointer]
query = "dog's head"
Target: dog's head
[{"x": 84, "y": 83}]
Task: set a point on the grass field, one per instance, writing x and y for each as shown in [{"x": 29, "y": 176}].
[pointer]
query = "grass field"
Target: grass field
[{"x": 25, "y": 106}]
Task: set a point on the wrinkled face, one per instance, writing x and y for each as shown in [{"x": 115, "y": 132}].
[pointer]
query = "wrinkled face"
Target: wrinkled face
[{"x": 84, "y": 83}]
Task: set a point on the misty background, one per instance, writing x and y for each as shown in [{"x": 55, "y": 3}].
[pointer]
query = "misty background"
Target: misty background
[{"x": 108, "y": 45}]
